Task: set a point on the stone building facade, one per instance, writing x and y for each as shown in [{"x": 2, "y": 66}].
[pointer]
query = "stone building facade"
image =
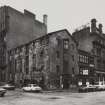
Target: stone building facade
[
  {"x": 17, "y": 28},
  {"x": 50, "y": 61},
  {"x": 91, "y": 39}
]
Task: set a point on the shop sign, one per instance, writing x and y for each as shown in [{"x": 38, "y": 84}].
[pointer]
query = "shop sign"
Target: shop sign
[
  {"x": 85, "y": 72},
  {"x": 91, "y": 65}
]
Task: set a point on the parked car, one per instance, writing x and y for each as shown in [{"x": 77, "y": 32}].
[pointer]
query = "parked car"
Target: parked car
[
  {"x": 8, "y": 87},
  {"x": 89, "y": 88},
  {"x": 32, "y": 88},
  {"x": 99, "y": 86},
  {"x": 2, "y": 92}
]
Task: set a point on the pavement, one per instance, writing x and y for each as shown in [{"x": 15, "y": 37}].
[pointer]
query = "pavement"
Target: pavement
[
  {"x": 61, "y": 90},
  {"x": 55, "y": 90}
]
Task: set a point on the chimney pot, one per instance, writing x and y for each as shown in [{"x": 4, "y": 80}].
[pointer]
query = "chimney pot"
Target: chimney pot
[
  {"x": 93, "y": 20},
  {"x": 93, "y": 25},
  {"x": 45, "y": 19},
  {"x": 100, "y": 28}
]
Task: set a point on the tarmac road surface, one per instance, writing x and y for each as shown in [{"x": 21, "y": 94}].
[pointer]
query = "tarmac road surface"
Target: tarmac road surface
[{"x": 56, "y": 98}]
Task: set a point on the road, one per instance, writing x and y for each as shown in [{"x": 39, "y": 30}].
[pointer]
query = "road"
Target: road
[{"x": 56, "y": 98}]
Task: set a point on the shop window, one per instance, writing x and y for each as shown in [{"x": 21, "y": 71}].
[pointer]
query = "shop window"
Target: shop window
[{"x": 85, "y": 71}]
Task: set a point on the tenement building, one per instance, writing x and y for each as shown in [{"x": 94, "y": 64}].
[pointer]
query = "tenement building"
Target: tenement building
[
  {"x": 17, "y": 28},
  {"x": 86, "y": 68},
  {"x": 50, "y": 61},
  {"x": 91, "y": 43}
]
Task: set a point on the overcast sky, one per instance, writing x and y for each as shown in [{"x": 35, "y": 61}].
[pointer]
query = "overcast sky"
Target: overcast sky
[{"x": 62, "y": 14}]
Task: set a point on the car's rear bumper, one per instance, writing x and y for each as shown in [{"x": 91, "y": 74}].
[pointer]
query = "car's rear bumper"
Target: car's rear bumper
[
  {"x": 2, "y": 93},
  {"x": 87, "y": 89},
  {"x": 8, "y": 88}
]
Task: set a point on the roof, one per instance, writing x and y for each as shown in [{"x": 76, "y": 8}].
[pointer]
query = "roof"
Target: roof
[
  {"x": 47, "y": 35},
  {"x": 102, "y": 36},
  {"x": 82, "y": 51},
  {"x": 65, "y": 31}
]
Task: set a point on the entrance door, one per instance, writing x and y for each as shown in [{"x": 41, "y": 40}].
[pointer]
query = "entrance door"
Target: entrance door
[
  {"x": 65, "y": 84},
  {"x": 66, "y": 74}
]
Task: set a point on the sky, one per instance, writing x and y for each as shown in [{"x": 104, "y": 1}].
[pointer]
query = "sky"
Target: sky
[{"x": 62, "y": 14}]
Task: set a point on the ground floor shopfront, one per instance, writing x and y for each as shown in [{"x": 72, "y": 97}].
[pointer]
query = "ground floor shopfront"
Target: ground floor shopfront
[
  {"x": 86, "y": 80},
  {"x": 64, "y": 81},
  {"x": 98, "y": 77}
]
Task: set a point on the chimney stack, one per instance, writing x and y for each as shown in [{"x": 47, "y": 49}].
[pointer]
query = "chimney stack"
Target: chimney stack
[
  {"x": 45, "y": 19},
  {"x": 100, "y": 28},
  {"x": 93, "y": 25}
]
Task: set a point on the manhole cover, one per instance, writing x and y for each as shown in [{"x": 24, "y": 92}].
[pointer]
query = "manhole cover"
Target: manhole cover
[{"x": 54, "y": 98}]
